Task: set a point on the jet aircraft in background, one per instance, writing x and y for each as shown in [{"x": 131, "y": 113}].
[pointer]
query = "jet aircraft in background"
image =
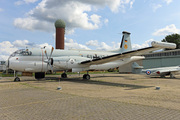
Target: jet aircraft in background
[
  {"x": 41, "y": 60},
  {"x": 161, "y": 71}
]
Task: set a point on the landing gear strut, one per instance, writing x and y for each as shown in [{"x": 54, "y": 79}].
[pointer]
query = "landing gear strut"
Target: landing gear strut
[
  {"x": 86, "y": 76},
  {"x": 16, "y": 78}
]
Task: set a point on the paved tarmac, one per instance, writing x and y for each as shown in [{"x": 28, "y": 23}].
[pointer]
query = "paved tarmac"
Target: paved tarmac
[{"x": 109, "y": 96}]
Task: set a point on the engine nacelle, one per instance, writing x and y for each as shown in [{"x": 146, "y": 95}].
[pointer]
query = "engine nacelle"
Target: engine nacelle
[{"x": 163, "y": 44}]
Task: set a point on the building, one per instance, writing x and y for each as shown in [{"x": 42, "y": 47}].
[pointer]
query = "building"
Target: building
[
  {"x": 2, "y": 66},
  {"x": 154, "y": 60}
]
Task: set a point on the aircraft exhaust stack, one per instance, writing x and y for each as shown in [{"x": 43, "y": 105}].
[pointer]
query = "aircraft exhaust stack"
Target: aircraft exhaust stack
[{"x": 60, "y": 31}]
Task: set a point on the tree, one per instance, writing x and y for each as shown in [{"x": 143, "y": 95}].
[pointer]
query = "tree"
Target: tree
[{"x": 173, "y": 38}]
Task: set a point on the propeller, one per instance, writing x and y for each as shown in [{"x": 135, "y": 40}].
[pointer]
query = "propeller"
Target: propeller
[{"x": 49, "y": 60}]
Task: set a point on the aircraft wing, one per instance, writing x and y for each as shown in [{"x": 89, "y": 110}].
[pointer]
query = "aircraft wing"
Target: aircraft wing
[{"x": 155, "y": 46}]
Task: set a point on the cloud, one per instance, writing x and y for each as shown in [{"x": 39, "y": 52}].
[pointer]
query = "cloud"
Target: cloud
[
  {"x": 106, "y": 21},
  {"x": 95, "y": 18},
  {"x": 145, "y": 44},
  {"x": 168, "y": 1},
  {"x": 92, "y": 43},
  {"x": 104, "y": 46},
  {"x": 22, "y": 43},
  {"x": 3, "y": 57},
  {"x": 75, "y": 13},
  {"x": 33, "y": 24},
  {"x": 155, "y": 7},
  {"x": 7, "y": 48},
  {"x": 44, "y": 45},
  {"x": 71, "y": 44},
  {"x": 167, "y": 30},
  {"x": 20, "y": 2},
  {"x": 131, "y": 3},
  {"x": 1, "y": 10}
]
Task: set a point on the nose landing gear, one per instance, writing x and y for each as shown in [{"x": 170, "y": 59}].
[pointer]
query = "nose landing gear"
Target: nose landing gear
[{"x": 16, "y": 78}]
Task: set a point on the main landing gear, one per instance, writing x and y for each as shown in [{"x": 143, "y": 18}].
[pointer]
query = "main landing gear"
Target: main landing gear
[
  {"x": 64, "y": 75},
  {"x": 16, "y": 79},
  {"x": 86, "y": 76}
]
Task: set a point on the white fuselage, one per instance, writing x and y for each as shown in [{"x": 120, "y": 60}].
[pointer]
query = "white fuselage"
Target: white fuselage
[{"x": 32, "y": 60}]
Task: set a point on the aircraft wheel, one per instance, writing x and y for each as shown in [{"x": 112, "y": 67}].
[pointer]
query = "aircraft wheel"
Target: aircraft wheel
[
  {"x": 86, "y": 76},
  {"x": 64, "y": 75},
  {"x": 16, "y": 79}
]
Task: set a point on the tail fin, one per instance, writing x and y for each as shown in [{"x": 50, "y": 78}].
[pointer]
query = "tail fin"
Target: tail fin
[
  {"x": 125, "y": 43},
  {"x": 136, "y": 69}
]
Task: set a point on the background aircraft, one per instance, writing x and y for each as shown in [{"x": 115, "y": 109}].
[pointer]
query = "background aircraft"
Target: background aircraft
[
  {"x": 42, "y": 60},
  {"x": 162, "y": 71}
]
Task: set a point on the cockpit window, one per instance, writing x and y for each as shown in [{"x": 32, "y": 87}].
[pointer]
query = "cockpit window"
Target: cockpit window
[
  {"x": 26, "y": 53},
  {"x": 21, "y": 52}
]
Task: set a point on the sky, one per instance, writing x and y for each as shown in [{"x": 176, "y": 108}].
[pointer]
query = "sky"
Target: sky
[{"x": 90, "y": 24}]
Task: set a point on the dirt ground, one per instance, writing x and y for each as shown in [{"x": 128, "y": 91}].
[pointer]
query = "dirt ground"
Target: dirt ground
[{"x": 115, "y": 89}]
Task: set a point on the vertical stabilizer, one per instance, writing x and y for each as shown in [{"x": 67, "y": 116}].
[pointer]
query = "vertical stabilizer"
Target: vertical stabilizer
[{"x": 126, "y": 42}]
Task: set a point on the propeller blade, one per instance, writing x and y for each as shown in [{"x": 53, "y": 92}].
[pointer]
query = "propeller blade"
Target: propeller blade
[
  {"x": 51, "y": 52},
  {"x": 46, "y": 54},
  {"x": 51, "y": 68},
  {"x": 47, "y": 67},
  {"x": 49, "y": 60}
]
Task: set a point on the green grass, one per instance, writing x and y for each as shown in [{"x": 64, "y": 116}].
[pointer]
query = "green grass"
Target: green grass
[
  {"x": 68, "y": 73},
  {"x": 7, "y": 75}
]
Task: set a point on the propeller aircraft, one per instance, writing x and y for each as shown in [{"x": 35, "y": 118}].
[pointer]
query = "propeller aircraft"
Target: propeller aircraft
[{"x": 40, "y": 60}]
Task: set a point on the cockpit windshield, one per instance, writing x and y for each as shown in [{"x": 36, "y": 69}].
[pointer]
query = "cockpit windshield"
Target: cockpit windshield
[{"x": 20, "y": 52}]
